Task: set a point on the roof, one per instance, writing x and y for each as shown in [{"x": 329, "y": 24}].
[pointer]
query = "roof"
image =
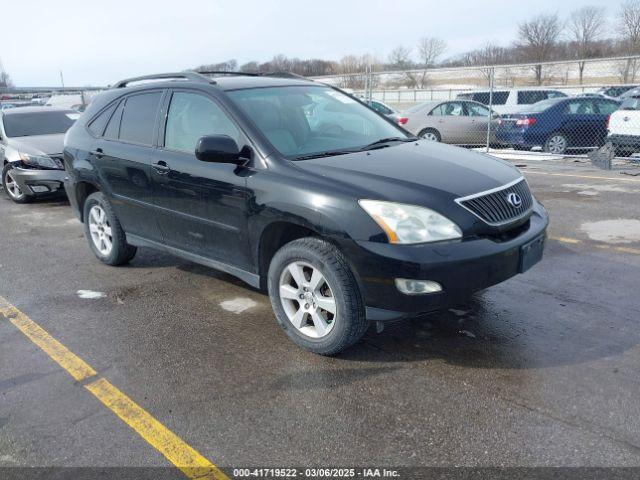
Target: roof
[{"x": 19, "y": 110}]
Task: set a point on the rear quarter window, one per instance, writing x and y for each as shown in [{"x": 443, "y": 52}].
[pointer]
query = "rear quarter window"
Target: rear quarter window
[{"x": 99, "y": 124}]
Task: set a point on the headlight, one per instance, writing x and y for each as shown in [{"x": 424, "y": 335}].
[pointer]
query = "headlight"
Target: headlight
[
  {"x": 38, "y": 161},
  {"x": 409, "y": 223}
]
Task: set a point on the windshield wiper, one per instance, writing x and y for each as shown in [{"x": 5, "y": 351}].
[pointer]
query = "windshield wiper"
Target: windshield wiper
[
  {"x": 325, "y": 154},
  {"x": 383, "y": 141}
]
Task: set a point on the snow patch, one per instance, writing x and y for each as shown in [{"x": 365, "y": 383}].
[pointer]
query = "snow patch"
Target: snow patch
[
  {"x": 238, "y": 305},
  {"x": 613, "y": 231},
  {"x": 90, "y": 294}
]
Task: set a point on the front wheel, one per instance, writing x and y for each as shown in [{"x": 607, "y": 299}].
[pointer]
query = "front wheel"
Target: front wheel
[
  {"x": 315, "y": 296},
  {"x": 430, "y": 134},
  {"x": 11, "y": 187},
  {"x": 104, "y": 232},
  {"x": 557, "y": 144}
]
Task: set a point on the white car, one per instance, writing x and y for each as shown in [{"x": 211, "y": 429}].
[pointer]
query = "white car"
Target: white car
[
  {"x": 511, "y": 100},
  {"x": 624, "y": 127}
]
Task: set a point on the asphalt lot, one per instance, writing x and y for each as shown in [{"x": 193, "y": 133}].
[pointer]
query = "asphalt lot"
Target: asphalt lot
[{"x": 540, "y": 370}]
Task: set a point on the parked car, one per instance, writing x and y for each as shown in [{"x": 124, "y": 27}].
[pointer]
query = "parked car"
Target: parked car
[
  {"x": 624, "y": 127},
  {"x": 457, "y": 122},
  {"x": 383, "y": 109},
  {"x": 511, "y": 100},
  {"x": 615, "y": 91},
  {"x": 558, "y": 125},
  {"x": 342, "y": 222},
  {"x": 31, "y": 143}
]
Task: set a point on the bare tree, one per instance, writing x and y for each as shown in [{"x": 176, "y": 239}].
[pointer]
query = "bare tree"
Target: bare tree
[
  {"x": 629, "y": 31},
  {"x": 400, "y": 59},
  {"x": 586, "y": 26},
  {"x": 5, "y": 78},
  {"x": 538, "y": 38},
  {"x": 228, "y": 66},
  {"x": 429, "y": 49},
  {"x": 629, "y": 26}
]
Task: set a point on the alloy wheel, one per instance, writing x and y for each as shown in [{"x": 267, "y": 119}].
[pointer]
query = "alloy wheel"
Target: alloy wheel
[
  {"x": 307, "y": 299},
  {"x": 432, "y": 137},
  {"x": 557, "y": 144},
  {"x": 100, "y": 229},
  {"x": 12, "y": 186}
]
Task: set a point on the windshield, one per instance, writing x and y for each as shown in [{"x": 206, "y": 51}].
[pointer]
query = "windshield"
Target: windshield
[
  {"x": 303, "y": 121},
  {"x": 38, "y": 123}
]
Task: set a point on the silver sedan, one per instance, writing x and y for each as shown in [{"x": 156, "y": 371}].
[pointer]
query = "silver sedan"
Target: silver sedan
[{"x": 459, "y": 122}]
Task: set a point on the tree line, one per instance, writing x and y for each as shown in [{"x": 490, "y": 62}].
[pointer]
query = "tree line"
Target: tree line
[{"x": 587, "y": 33}]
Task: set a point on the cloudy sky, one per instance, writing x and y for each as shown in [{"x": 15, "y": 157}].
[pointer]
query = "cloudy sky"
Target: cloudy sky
[{"x": 97, "y": 43}]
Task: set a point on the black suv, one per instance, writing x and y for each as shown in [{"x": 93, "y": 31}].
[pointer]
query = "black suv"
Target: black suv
[{"x": 295, "y": 187}]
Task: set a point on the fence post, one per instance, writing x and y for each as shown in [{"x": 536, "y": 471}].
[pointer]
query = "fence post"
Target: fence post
[{"x": 492, "y": 74}]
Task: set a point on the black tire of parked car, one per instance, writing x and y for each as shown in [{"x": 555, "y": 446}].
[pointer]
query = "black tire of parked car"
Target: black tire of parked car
[
  {"x": 25, "y": 198},
  {"x": 350, "y": 319},
  {"x": 121, "y": 252},
  {"x": 436, "y": 134}
]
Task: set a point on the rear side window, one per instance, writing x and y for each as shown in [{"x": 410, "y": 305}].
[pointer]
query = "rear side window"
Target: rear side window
[
  {"x": 98, "y": 125},
  {"x": 454, "y": 109},
  {"x": 139, "y": 118},
  {"x": 580, "y": 107}
]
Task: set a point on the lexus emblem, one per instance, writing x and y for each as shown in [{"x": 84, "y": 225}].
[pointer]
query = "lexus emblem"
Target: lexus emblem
[{"x": 514, "y": 200}]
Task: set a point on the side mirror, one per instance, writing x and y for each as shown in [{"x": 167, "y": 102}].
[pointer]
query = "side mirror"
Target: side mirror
[{"x": 218, "y": 149}]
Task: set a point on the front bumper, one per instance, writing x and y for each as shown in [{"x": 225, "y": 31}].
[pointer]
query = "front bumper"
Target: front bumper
[
  {"x": 35, "y": 182},
  {"x": 461, "y": 267}
]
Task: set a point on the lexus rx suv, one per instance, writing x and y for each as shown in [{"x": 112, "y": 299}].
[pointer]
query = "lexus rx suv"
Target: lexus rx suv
[{"x": 343, "y": 217}]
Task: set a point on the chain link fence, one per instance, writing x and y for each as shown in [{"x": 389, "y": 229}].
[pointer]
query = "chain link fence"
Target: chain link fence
[{"x": 556, "y": 108}]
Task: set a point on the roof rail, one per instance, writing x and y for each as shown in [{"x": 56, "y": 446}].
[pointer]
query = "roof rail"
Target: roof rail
[
  {"x": 228, "y": 72},
  {"x": 188, "y": 75},
  {"x": 281, "y": 74}
]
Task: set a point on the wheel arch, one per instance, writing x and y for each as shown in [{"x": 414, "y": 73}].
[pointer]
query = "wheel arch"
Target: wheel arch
[{"x": 82, "y": 190}]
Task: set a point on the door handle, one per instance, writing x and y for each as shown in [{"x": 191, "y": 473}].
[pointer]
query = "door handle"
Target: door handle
[
  {"x": 161, "y": 167},
  {"x": 98, "y": 153}
]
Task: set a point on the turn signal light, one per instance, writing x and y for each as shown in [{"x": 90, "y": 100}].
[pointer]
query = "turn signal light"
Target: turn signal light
[{"x": 402, "y": 120}]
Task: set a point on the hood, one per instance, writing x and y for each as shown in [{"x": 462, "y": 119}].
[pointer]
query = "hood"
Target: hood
[
  {"x": 38, "y": 144},
  {"x": 412, "y": 171}
]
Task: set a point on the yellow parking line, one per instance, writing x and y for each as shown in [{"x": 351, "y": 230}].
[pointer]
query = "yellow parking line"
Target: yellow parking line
[
  {"x": 187, "y": 459},
  {"x": 593, "y": 177},
  {"x": 64, "y": 357},
  {"x": 164, "y": 440},
  {"x": 575, "y": 241}
]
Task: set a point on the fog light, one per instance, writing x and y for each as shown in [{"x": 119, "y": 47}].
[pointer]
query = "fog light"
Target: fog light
[
  {"x": 417, "y": 287},
  {"x": 39, "y": 188}
]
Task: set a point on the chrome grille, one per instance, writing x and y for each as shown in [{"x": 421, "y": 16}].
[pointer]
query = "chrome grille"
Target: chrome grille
[{"x": 494, "y": 207}]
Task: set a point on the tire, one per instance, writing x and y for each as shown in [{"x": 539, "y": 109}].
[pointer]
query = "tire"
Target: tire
[
  {"x": 430, "y": 134},
  {"x": 347, "y": 324},
  {"x": 557, "y": 143},
  {"x": 11, "y": 189},
  {"x": 120, "y": 251}
]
